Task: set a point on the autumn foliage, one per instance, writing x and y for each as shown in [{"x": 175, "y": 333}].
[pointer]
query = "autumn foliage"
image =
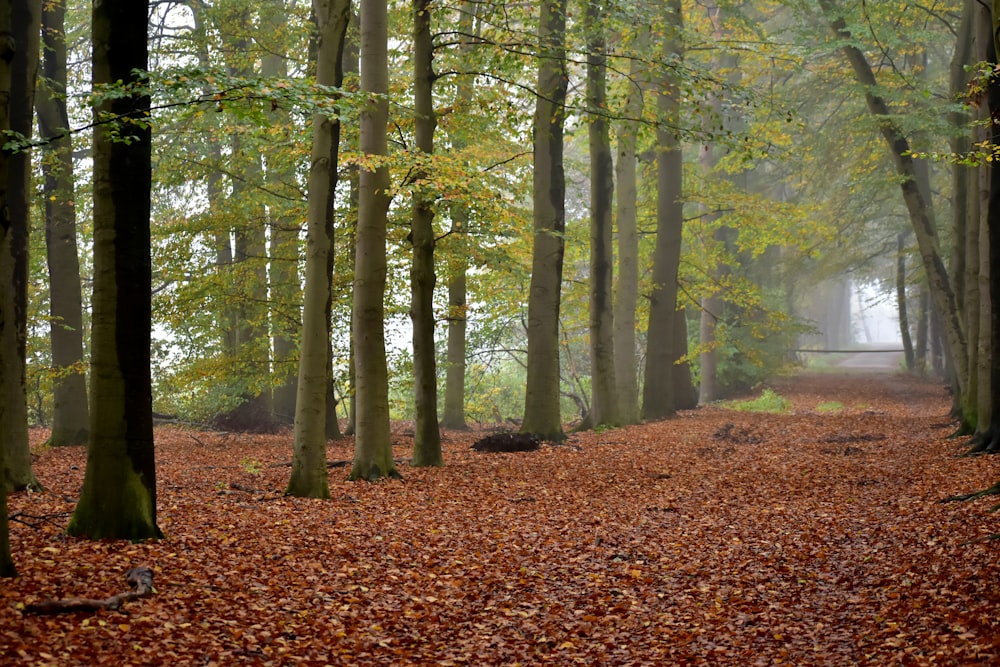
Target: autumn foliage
[{"x": 814, "y": 537}]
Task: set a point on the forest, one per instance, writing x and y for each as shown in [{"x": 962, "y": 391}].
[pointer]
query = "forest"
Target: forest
[{"x": 246, "y": 247}]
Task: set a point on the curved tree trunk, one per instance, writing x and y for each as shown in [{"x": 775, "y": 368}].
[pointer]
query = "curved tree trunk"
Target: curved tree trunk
[
  {"x": 542, "y": 416},
  {"x": 373, "y": 442},
  {"x": 920, "y": 210},
  {"x": 427, "y": 435},
  {"x": 118, "y": 499},
  {"x": 309, "y": 475}
]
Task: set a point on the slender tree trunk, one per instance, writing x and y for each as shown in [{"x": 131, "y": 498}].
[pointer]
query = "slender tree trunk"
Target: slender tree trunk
[
  {"x": 373, "y": 442},
  {"x": 604, "y": 404},
  {"x": 427, "y": 435},
  {"x": 458, "y": 263},
  {"x": 920, "y": 210},
  {"x": 627, "y": 285},
  {"x": 309, "y": 476},
  {"x": 118, "y": 499},
  {"x": 283, "y": 257},
  {"x": 8, "y": 339},
  {"x": 352, "y": 57},
  {"x": 71, "y": 415},
  {"x": 901, "y": 309},
  {"x": 923, "y": 322},
  {"x": 659, "y": 398},
  {"x": 542, "y": 415},
  {"x": 979, "y": 242}
]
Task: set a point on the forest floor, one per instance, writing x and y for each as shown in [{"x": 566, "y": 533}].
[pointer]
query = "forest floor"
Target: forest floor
[{"x": 719, "y": 537}]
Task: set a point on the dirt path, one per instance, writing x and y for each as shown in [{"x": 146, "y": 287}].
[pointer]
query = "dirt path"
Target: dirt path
[{"x": 718, "y": 538}]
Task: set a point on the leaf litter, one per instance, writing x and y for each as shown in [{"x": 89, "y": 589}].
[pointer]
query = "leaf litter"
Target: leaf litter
[{"x": 717, "y": 537}]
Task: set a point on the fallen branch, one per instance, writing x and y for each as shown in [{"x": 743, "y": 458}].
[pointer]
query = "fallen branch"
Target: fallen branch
[
  {"x": 35, "y": 521},
  {"x": 140, "y": 580}
]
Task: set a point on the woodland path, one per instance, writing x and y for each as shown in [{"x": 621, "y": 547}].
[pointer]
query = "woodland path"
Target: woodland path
[{"x": 718, "y": 537}]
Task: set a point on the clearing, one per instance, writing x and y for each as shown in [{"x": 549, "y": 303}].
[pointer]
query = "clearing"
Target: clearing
[{"x": 720, "y": 537}]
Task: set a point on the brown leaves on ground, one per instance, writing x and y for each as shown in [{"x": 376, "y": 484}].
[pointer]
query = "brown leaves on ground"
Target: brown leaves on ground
[{"x": 717, "y": 537}]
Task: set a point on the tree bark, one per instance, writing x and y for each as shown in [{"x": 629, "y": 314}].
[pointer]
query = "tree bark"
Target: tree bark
[
  {"x": 627, "y": 284},
  {"x": 118, "y": 499},
  {"x": 71, "y": 414},
  {"x": 372, "y": 441},
  {"x": 283, "y": 256},
  {"x": 659, "y": 397},
  {"x": 427, "y": 434},
  {"x": 542, "y": 415},
  {"x": 309, "y": 474},
  {"x": 458, "y": 263},
  {"x": 604, "y": 408},
  {"x": 26, "y": 18},
  {"x": 8, "y": 47},
  {"x": 901, "y": 305}
]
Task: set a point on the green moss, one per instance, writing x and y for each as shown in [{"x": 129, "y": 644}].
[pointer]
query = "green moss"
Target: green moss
[{"x": 830, "y": 407}]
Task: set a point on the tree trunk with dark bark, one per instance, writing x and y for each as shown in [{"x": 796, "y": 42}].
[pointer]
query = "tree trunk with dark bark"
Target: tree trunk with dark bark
[{"x": 118, "y": 499}]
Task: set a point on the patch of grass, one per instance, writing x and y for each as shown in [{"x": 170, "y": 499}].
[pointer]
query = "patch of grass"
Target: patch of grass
[
  {"x": 768, "y": 401},
  {"x": 830, "y": 407}
]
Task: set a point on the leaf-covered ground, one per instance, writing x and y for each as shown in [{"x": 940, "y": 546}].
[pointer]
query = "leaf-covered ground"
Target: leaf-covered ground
[{"x": 718, "y": 538}]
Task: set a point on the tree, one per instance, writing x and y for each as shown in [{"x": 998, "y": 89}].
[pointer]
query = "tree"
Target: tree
[
  {"x": 920, "y": 210},
  {"x": 427, "y": 434},
  {"x": 373, "y": 442},
  {"x": 542, "y": 416},
  {"x": 663, "y": 390},
  {"x": 627, "y": 284},
  {"x": 118, "y": 499},
  {"x": 283, "y": 255},
  {"x": 26, "y": 20},
  {"x": 454, "y": 388},
  {"x": 71, "y": 415},
  {"x": 8, "y": 48},
  {"x": 309, "y": 477},
  {"x": 604, "y": 404}
]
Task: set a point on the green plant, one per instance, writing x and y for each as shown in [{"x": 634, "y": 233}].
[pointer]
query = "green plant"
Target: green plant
[
  {"x": 768, "y": 401},
  {"x": 252, "y": 466},
  {"x": 830, "y": 407}
]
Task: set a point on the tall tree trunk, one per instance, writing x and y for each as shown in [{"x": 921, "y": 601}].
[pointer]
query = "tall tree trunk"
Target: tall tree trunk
[
  {"x": 8, "y": 339},
  {"x": 70, "y": 415},
  {"x": 659, "y": 397},
  {"x": 118, "y": 499},
  {"x": 991, "y": 440},
  {"x": 604, "y": 404},
  {"x": 309, "y": 476},
  {"x": 427, "y": 435},
  {"x": 372, "y": 440},
  {"x": 283, "y": 256},
  {"x": 542, "y": 416},
  {"x": 627, "y": 283},
  {"x": 458, "y": 262},
  {"x": 920, "y": 210},
  {"x": 14, "y": 425},
  {"x": 979, "y": 241},
  {"x": 352, "y": 58}
]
